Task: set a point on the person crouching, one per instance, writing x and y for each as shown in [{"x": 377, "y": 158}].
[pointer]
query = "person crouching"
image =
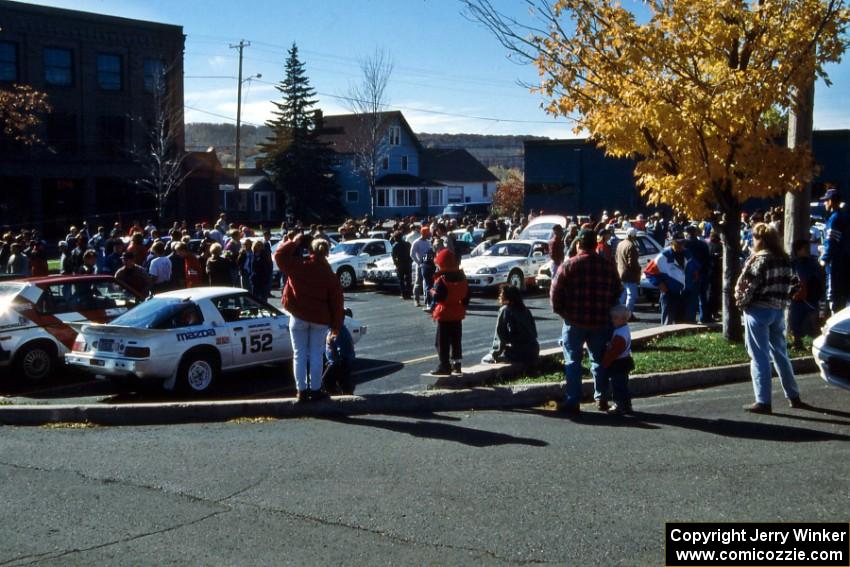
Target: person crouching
[{"x": 450, "y": 296}]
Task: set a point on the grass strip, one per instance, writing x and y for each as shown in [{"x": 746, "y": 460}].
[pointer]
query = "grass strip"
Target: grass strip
[{"x": 667, "y": 354}]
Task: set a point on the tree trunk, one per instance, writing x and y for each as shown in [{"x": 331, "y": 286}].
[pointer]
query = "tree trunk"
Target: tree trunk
[
  {"x": 797, "y": 208},
  {"x": 732, "y": 330},
  {"x": 372, "y": 201}
]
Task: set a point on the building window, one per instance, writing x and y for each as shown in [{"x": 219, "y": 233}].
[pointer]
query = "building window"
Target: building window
[
  {"x": 455, "y": 195},
  {"x": 382, "y": 197},
  {"x": 385, "y": 163},
  {"x": 435, "y": 197},
  {"x": 58, "y": 66},
  {"x": 154, "y": 74},
  {"x": 406, "y": 197},
  {"x": 112, "y": 135},
  {"x": 8, "y": 61},
  {"x": 484, "y": 190},
  {"x": 395, "y": 135},
  {"x": 352, "y": 197},
  {"x": 109, "y": 72},
  {"x": 61, "y": 133},
  {"x": 404, "y": 163}
]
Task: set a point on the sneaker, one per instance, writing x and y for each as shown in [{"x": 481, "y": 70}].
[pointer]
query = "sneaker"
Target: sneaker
[
  {"x": 426, "y": 309},
  {"x": 797, "y": 403},
  {"x": 759, "y": 408},
  {"x": 442, "y": 371},
  {"x": 417, "y": 303},
  {"x": 303, "y": 396},
  {"x": 456, "y": 368},
  {"x": 617, "y": 410},
  {"x": 602, "y": 405}
]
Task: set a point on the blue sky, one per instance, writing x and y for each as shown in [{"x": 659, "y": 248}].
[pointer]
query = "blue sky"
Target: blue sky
[{"x": 450, "y": 74}]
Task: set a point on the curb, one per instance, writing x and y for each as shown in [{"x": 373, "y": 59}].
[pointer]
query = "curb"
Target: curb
[{"x": 500, "y": 397}]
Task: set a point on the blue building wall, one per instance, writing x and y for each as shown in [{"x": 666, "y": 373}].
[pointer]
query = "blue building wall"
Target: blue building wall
[{"x": 575, "y": 177}]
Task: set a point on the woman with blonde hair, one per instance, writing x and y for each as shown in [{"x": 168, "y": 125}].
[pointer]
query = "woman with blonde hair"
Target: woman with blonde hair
[
  {"x": 764, "y": 291},
  {"x": 313, "y": 298}
]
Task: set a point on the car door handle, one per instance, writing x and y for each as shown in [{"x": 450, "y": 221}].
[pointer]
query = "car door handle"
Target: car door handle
[{"x": 237, "y": 329}]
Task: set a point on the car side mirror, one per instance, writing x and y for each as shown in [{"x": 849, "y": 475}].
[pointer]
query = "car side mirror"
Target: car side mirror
[{"x": 364, "y": 254}]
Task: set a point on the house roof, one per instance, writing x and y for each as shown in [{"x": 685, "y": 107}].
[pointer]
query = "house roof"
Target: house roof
[
  {"x": 341, "y": 131},
  {"x": 452, "y": 165},
  {"x": 405, "y": 180}
]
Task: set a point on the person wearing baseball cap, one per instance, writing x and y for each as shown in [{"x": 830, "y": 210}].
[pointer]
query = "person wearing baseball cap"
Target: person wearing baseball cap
[
  {"x": 674, "y": 273},
  {"x": 836, "y": 251},
  {"x": 420, "y": 247}
]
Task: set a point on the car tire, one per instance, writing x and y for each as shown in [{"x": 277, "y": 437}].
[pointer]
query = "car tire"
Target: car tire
[
  {"x": 198, "y": 373},
  {"x": 517, "y": 280},
  {"x": 36, "y": 362},
  {"x": 347, "y": 278}
]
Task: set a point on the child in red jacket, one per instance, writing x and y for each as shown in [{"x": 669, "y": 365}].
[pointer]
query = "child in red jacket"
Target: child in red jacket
[{"x": 450, "y": 298}]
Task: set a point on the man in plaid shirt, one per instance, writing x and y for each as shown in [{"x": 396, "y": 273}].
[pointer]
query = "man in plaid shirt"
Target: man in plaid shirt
[{"x": 584, "y": 290}]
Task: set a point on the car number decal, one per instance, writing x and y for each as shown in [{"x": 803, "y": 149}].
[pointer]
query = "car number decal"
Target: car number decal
[{"x": 257, "y": 343}]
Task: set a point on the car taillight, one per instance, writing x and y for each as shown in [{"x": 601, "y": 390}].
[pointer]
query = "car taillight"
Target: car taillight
[
  {"x": 79, "y": 344},
  {"x": 137, "y": 352}
]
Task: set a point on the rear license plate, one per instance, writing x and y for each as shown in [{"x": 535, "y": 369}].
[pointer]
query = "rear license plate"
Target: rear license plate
[
  {"x": 96, "y": 362},
  {"x": 105, "y": 345}
]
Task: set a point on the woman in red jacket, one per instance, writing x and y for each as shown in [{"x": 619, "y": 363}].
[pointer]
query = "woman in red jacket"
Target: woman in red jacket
[
  {"x": 313, "y": 298},
  {"x": 451, "y": 296}
]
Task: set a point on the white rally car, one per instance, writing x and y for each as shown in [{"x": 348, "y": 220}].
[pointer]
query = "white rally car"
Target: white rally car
[
  {"x": 350, "y": 259},
  {"x": 35, "y": 314},
  {"x": 832, "y": 350},
  {"x": 510, "y": 262},
  {"x": 186, "y": 338}
]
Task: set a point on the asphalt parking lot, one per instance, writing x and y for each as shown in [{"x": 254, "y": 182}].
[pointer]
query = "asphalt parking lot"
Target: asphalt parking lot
[{"x": 397, "y": 350}]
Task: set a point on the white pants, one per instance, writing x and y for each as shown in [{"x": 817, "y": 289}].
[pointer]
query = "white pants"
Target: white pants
[{"x": 308, "y": 348}]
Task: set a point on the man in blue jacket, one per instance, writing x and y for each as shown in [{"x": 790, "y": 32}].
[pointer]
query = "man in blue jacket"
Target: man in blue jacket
[
  {"x": 836, "y": 252},
  {"x": 674, "y": 271}
]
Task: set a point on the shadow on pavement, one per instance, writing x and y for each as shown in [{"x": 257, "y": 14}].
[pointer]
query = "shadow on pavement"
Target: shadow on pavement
[
  {"x": 442, "y": 431},
  {"x": 368, "y": 369},
  {"x": 725, "y": 427},
  {"x": 812, "y": 419}
]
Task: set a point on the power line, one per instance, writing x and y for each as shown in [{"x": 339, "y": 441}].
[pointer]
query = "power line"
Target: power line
[{"x": 231, "y": 118}]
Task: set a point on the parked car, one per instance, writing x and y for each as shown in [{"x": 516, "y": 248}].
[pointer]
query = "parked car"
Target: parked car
[
  {"x": 459, "y": 210},
  {"x": 34, "y": 317},
  {"x": 540, "y": 228},
  {"x": 831, "y": 350},
  {"x": 383, "y": 273},
  {"x": 349, "y": 259},
  {"x": 185, "y": 339},
  {"x": 510, "y": 262}
]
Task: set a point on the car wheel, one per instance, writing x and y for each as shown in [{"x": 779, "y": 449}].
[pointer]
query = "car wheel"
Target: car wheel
[
  {"x": 198, "y": 373},
  {"x": 36, "y": 361},
  {"x": 515, "y": 279},
  {"x": 347, "y": 279}
]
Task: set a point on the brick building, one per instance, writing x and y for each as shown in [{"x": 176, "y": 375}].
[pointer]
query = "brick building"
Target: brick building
[{"x": 99, "y": 73}]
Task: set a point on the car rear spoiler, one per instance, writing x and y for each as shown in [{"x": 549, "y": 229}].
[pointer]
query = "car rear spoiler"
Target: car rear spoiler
[{"x": 106, "y": 329}]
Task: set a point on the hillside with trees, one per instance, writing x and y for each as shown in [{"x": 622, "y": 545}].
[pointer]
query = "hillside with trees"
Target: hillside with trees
[{"x": 492, "y": 151}]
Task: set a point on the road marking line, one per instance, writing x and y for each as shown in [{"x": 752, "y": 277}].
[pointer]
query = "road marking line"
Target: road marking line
[
  {"x": 422, "y": 359},
  {"x": 376, "y": 368}
]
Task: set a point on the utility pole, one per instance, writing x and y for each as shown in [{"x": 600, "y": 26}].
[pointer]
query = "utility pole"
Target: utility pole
[
  {"x": 240, "y": 46},
  {"x": 798, "y": 204}
]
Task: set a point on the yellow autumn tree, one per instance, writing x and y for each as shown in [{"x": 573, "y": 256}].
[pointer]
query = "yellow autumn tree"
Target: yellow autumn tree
[
  {"x": 20, "y": 112},
  {"x": 683, "y": 89}
]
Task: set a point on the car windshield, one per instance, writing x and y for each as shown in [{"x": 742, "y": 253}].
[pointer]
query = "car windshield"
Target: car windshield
[
  {"x": 153, "y": 313},
  {"x": 541, "y": 230},
  {"x": 348, "y": 248},
  {"x": 453, "y": 209},
  {"x": 509, "y": 249}
]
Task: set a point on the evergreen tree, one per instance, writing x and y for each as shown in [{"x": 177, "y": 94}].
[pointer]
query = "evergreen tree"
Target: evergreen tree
[{"x": 298, "y": 162}]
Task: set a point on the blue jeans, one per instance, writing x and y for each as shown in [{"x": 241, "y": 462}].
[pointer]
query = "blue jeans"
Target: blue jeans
[
  {"x": 308, "y": 350},
  {"x": 765, "y": 339},
  {"x": 629, "y": 296},
  {"x": 671, "y": 303},
  {"x": 620, "y": 388},
  {"x": 574, "y": 339},
  {"x": 705, "y": 315},
  {"x": 802, "y": 318}
]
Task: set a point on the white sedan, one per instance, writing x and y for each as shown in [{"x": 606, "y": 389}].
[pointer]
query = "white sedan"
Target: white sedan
[
  {"x": 187, "y": 338},
  {"x": 350, "y": 259},
  {"x": 510, "y": 262},
  {"x": 832, "y": 350}
]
